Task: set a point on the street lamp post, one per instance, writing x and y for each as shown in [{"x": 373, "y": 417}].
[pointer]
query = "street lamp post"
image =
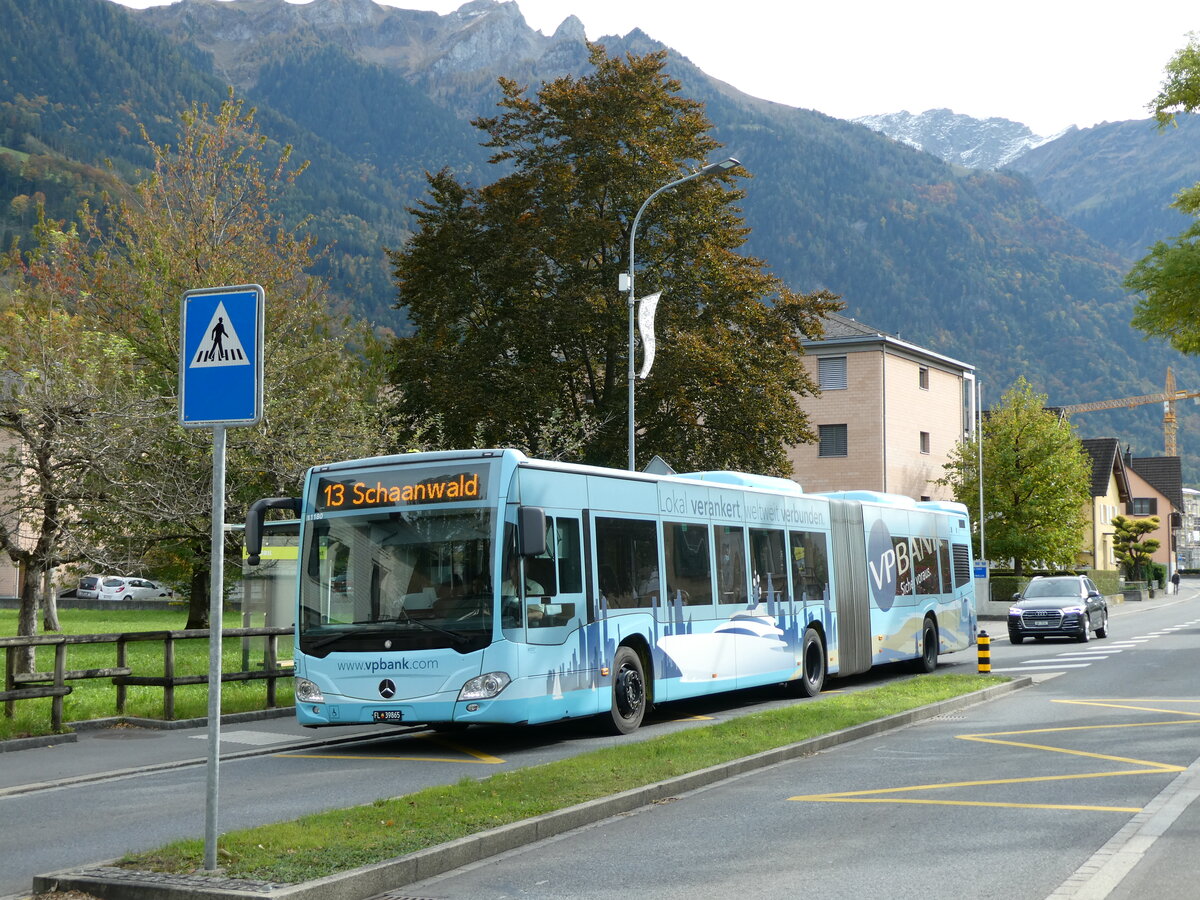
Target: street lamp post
[{"x": 714, "y": 168}]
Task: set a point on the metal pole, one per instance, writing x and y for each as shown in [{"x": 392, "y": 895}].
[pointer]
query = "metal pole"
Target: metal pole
[
  {"x": 215, "y": 591},
  {"x": 633, "y": 303},
  {"x": 979, "y": 450},
  {"x": 714, "y": 168}
]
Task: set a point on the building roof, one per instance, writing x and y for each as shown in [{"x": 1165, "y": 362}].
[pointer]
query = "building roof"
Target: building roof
[
  {"x": 842, "y": 332},
  {"x": 837, "y": 326},
  {"x": 1106, "y": 463},
  {"x": 1163, "y": 473}
]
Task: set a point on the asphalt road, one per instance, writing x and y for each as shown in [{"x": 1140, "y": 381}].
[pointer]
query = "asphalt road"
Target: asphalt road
[
  {"x": 997, "y": 833},
  {"x": 1082, "y": 786},
  {"x": 150, "y": 784}
]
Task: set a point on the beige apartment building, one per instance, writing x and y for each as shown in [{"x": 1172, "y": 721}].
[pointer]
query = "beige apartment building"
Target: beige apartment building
[{"x": 888, "y": 415}]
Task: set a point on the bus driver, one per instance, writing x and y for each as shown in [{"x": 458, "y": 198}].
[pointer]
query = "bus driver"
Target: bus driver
[{"x": 510, "y": 601}]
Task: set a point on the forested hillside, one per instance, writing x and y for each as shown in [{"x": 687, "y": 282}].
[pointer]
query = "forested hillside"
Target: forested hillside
[
  {"x": 1116, "y": 181},
  {"x": 971, "y": 264}
]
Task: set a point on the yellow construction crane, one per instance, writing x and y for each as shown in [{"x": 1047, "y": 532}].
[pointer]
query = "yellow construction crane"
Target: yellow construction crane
[{"x": 1167, "y": 398}]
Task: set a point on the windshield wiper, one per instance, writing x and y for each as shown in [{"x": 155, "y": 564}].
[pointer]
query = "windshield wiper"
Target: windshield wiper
[
  {"x": 332, "y": 639},
  {"x": 381, "y": 629},
  {"x": 409, "y": 620}
]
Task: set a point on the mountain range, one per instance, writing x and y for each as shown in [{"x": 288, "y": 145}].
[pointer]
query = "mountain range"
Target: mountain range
[{"x": 976, "y": 239}]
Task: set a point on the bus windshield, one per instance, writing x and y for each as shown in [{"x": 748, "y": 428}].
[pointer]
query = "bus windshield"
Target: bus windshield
[{"x": 417, "y": 578}]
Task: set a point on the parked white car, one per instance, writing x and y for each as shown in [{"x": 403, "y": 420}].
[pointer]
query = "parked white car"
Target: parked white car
[
  {"x": 88, "y": 587},
  {"x": 113, "y": 587}
]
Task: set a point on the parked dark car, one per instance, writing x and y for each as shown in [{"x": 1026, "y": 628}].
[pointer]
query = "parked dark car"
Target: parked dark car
[{"x": 1058, "y": 606}]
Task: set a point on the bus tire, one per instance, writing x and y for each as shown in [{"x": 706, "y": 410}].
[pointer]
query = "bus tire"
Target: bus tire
[
  {"x": 628, "y": 692},
  {"x": 812, "y": 665},
  {"x": 927, "y": 661}
]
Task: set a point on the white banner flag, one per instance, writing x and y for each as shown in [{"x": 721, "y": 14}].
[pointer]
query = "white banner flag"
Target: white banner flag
[{"x": 646, "y": 309}]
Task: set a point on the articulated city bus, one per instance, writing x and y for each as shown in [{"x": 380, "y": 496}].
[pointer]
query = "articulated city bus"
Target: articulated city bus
[{"x": 483, "y": 586}]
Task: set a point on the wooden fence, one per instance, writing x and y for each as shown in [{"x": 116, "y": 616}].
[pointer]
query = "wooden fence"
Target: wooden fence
[{"x": 31, "y": 685}]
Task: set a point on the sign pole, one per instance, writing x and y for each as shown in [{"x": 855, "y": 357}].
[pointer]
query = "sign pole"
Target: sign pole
[
  {"x": 220, "y": 385},
  {"x": 216, "y": 604}
]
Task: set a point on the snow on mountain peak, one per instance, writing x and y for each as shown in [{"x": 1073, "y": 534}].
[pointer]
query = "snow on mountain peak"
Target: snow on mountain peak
[{"x": 974, "y": 143}]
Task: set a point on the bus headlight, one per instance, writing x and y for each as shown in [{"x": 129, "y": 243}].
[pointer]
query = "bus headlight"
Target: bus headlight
[
  {"x": 485, "y": 687},
  {"x": 307, "y": 692}
]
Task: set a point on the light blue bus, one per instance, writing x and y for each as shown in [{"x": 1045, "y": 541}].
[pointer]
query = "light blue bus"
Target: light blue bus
[{"x": 484, "y": 586}]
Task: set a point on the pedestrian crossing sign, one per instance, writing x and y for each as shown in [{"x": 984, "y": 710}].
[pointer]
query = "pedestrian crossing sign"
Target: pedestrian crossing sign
[{"x": 220, "y": 357}]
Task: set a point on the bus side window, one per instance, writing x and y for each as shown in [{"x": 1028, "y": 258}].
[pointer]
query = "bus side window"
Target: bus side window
[
  {"x": 689, "y": 563},
  {"x": 570, "y": 561},
  {"x": 810, "y": 566},
  {"x": 768, "y": 564},
  {"x": 731, "y": 564},
  {"x": 944, "y": 565},
  {"x": 626, "y": 554},
  {"x": 542, "y": 569}
]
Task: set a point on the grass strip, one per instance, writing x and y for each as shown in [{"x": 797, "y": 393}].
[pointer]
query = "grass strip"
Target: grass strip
[{"x": 322, "y": 844}]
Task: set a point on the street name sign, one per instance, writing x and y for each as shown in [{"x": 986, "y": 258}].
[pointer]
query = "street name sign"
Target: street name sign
[{"x": 221, "y": 357}]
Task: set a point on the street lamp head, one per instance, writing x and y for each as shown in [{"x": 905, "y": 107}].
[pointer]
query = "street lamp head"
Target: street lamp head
[{"x": 723, "y": 166}]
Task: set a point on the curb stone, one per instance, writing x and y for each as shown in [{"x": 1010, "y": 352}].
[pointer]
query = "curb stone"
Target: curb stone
[
  {"x": 110, "y": 883},
  {"x": 33, "y": 743}
]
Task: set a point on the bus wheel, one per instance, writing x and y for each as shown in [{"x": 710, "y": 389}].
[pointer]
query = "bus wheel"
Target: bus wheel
[
  {"x": 927, "y": 661},
  {"x": 812, "y": 665},
  {"x": 628, "y": 692}
]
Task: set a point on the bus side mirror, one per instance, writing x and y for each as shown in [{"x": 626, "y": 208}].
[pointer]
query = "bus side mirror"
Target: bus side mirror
[
  {"x": 531, "y": 530},
  {"x": 254, "y": 523}
]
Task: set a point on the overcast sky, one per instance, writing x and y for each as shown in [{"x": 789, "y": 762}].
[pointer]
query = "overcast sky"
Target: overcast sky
[{"x": 1049, "y": 64}]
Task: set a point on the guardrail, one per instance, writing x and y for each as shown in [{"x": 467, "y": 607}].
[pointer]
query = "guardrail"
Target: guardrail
[{"x": 34, "y": 685}]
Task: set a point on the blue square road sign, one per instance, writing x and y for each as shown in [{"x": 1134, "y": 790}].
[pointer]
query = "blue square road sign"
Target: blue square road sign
[{"x": 221, "y": 356}]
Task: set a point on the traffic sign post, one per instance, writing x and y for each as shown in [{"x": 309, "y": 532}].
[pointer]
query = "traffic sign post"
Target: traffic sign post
[
  {"x": 220, "y": 385},
  {"x": 220, "y": 357}
]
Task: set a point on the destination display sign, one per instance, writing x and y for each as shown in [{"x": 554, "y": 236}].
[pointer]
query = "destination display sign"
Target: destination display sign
[{"x": 400, "y": 487}]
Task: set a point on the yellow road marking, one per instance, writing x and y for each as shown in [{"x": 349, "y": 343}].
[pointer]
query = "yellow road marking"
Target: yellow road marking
[
  {"x": 1142, "y": 767},
  {"x": 475, "y": 755},
  {"x": 835, "y": 798}
]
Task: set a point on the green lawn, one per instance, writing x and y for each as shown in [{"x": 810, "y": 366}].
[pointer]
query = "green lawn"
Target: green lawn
[
  {"x": 96, "y": 698},
  {"x": 338, "y": 840}
]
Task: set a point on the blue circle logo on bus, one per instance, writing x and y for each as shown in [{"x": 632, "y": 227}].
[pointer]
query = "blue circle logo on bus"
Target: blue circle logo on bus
[
  {"x": 881, "y": 565},
  {"x": 387, "y": 689}
]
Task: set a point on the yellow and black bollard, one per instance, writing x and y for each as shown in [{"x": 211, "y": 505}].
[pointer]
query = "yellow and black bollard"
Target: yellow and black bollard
[{"x": 985, "y": 652}]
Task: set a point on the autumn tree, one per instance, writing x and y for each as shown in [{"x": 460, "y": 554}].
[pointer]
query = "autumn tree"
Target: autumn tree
[
  {"x": 519, "y": 330},
  {"x": 1036, "y": 481},
  {"x": 67, "y": 395},
  {"x": 1133, "y": 549},
  {"x": 1168, "y": 277},
  {"x": 208, "y": 215}
]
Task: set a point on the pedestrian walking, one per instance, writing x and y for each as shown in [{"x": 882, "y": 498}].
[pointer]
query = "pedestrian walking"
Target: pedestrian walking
[{"x": 1175, "y": 580}]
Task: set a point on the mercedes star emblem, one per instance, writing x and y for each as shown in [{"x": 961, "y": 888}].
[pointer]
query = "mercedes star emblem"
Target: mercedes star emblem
[{"x": 387, "y": 689}]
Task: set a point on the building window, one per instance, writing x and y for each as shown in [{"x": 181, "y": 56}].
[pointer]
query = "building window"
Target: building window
[
  {"x": 832, "y": 440},
  {"x": 924, "y": 441},
  {"x": 1144, "y": 506},
  {"x": 923, "y": 377},
  {"x": 831, "y": 373}
]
